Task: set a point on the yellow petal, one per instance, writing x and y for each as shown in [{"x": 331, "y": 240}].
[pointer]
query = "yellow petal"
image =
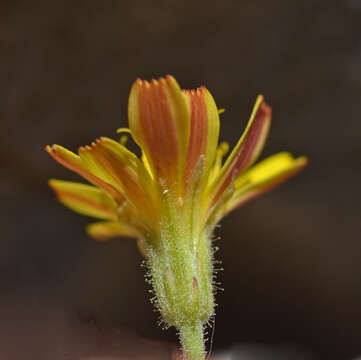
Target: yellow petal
[
  {"x": 247, "y": 149},
  {"x": 105, "y": 230},
  {"x": 146, "y": 165},
  {"x": 222, "y": 150},
  {"x": 74, "y": 163},
  {"x": 85, "y": 199},
  {"x": 263, "y": 177},
  {"x": 204, "y": 130},
  {"x": 115, "y": 164},
  {"x": 159, "y": 122}
]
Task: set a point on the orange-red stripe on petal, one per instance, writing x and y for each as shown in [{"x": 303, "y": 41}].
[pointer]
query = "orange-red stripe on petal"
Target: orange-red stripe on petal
[
  {"x": 198, "y": 129},
  {"x": 247, "y": 149},
  {"x": 204, "y": 131},
  {"x": 159, "y": 121},
  {"x": 121, "y": 168},
  {"x": 85, "y": 199},
  {"x": 73, "y": 162},
  {"x": 240, "y": 197}
]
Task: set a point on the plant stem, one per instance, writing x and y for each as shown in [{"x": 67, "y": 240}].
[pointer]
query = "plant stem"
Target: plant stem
[{"x": 192, "y": 341}]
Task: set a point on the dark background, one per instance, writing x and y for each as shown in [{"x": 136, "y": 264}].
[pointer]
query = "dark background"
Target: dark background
[{"x": 292, "y": 258}]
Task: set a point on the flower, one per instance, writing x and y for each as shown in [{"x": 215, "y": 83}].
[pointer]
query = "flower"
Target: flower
[{"x": 171, "y": 198}]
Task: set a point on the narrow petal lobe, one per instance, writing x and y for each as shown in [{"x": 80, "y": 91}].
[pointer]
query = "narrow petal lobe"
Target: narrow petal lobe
[
  {"x": 247, "y": 149},
  {"x": 116, "y": 165},
  {"x": 85, "y": 199},
  {"x": 73, "y": 162},
  {"x": 204, "y": 130},
  {"x": 105, "y": 230},
  {"x": 159, "y": 122},
  {"x": 263, "y": 177}
]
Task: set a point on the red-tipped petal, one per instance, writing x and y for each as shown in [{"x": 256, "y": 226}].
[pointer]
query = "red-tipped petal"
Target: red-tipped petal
[
  {"x": 116, "y": 165},
  {"x": 204, "y": 130},
  {"x": 263, "y": 177},
  {"x": 159, "y": 121},
  {"x": 74, "y": 163},
  {"x": 247, "y": 149}
]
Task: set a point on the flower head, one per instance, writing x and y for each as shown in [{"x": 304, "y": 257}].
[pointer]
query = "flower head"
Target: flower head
[
  {"x": 171, "y": 198},
  {"x": 177, "y": 131}
]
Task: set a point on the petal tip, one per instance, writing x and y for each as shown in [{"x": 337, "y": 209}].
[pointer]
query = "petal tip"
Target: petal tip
[
  {"x": 260, "y": 98},
  {"x": 262, "y": 106},
  {"x": 303, "y": 161},
  {"x": 51, "y": 183},
  {"x": 170, "y": 78},
  {"x": 138, "y": 81},
  {"x": 267, "y": 110},
  {"x": 154, "y": 83},
  {"x": 52, "y": 150}
]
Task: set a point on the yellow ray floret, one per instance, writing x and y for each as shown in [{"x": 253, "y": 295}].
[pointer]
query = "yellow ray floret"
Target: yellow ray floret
[
  {"x": 263, "y": 177},
  {"x": 85, "y": 199},
  {"x": 246, "y": 151},
  {"x": 204, "y": 131},
  {"x": 159, "y": 122},
  {"x": 105, "y": 230}
]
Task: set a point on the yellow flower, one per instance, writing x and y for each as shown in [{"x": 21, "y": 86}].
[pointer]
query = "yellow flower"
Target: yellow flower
[{"x": 171, "y": 198}]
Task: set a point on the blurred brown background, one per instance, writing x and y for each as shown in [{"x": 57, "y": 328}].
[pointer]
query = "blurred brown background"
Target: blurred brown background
[{"x": 292, "y": 258}]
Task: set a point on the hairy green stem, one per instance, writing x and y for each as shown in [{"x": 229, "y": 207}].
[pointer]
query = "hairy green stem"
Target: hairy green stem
[{"x": 192, "y": 341}]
